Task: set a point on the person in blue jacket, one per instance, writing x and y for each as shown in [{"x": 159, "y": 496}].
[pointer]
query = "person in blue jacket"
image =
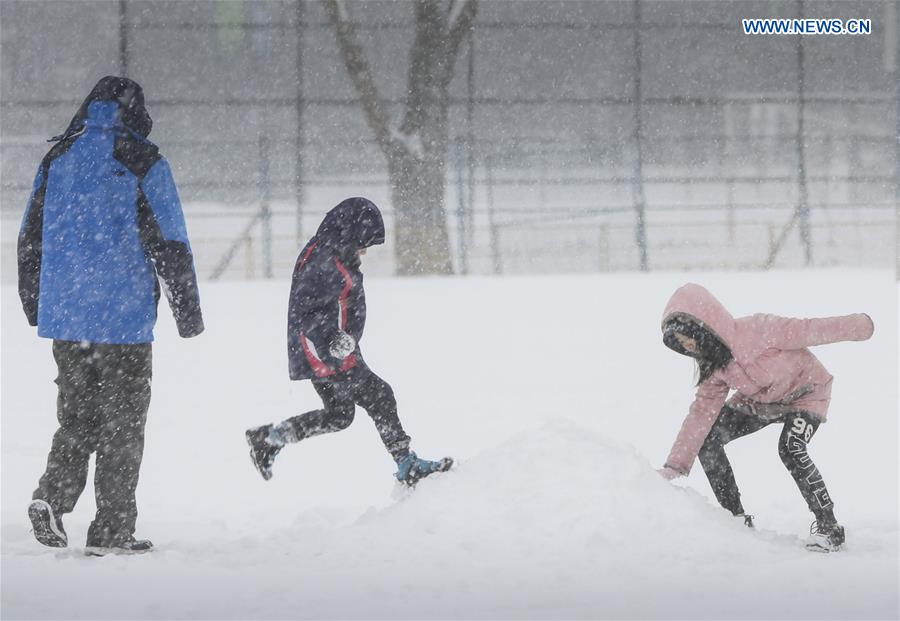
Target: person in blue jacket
[
  {"x": 102, "y": 226},
  {"x": 326, "y": 317}
]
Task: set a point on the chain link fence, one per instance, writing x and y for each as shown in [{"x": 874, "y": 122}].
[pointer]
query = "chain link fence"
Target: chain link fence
[{"x": 585, "y": 136}]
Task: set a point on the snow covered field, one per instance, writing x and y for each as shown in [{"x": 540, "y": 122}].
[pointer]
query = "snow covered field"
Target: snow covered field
[{"x": 558, "y": 399}]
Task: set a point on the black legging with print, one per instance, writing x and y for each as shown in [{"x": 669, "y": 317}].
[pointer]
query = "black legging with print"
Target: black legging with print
[{"x": 799, "y": 428}]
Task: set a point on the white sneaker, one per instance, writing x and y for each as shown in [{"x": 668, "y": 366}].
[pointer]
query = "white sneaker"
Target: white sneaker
[
  {"x": 47, "y": 528},
  {"x": 825, "y": 540}
]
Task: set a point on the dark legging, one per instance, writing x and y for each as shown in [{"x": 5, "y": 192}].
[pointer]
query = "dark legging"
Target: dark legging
[
  {"x": 340, "y": 395},
  {"x": 799, "y": 428}
]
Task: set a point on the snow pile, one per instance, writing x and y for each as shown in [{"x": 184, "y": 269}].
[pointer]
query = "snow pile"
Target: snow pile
[{"x": 555, "y": 522}]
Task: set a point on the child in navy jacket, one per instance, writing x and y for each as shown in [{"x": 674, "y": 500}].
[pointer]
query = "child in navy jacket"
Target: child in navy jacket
[{"x": 326, "y": 317}]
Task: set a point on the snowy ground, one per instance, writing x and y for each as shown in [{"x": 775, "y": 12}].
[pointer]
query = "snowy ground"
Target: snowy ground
[{"x": 558, "y": 399}]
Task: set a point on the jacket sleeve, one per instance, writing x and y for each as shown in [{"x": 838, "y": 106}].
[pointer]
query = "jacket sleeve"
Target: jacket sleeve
[
  {"x": 30, "y": 246},
  {"x": 316, "y": 301},
  {"x": 709, "y": 400},
  {"x": 789, "y": 333},
  {"x": 164, "y": 236}
]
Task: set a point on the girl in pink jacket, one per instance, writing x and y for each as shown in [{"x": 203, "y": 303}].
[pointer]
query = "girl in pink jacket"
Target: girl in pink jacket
[{"x": 764, "y": 359}]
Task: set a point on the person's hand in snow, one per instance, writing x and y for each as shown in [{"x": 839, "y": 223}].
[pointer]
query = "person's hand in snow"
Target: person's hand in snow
[{"x": 668, "y": 473}]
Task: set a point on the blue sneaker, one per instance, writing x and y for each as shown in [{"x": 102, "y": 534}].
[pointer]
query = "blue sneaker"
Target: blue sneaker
[
  {"x": 262, "y": 451},
  {"x": 411, "y": 469}
]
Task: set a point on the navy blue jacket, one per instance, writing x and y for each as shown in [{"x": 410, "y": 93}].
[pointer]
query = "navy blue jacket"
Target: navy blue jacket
[
  {"x": 102, "y": 224},
  {"x": 327, "y": 293}
]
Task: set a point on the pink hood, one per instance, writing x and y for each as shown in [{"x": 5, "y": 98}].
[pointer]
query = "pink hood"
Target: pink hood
[
  {"x": 695, "y": 301},
  {"x": 772, "y": 373}
]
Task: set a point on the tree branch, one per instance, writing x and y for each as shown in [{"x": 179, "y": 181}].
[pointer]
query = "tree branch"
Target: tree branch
[
  {"x": 360, "y": 74},
  {"x": 460, "y": 18},
  {"x": 423, "y": 63}
]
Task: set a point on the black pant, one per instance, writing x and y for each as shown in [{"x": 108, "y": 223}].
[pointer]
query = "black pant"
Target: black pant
[
  {"x": 799, "y": 428},
  {"x": 340, "y": 395},
  {"x": 104, "y": 394}
]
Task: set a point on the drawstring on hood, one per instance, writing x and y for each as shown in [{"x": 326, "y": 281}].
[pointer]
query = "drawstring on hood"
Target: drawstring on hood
[{"x": 129, "y": 97}]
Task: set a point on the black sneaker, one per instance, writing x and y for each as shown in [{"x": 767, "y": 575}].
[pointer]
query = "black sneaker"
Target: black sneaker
[
  {"x": 825, "y": 538},
  {"x": 48, "y": 528},
  {"x": 129, "y": 546},
  {"x": 262, "y": 452}
]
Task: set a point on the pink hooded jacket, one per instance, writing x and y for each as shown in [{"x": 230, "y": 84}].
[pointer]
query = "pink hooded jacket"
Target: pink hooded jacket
[{"x": 772, "y": 372}]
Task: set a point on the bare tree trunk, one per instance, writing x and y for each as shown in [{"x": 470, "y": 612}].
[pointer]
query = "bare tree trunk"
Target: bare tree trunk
[
  {"x": 415, "y": 151},
  {"x": 417, "y": 190}
]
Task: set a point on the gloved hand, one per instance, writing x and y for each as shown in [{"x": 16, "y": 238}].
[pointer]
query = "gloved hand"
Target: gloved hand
[
  {"x": 342, "y": 345},
  {"x": 668, "y": 472}
]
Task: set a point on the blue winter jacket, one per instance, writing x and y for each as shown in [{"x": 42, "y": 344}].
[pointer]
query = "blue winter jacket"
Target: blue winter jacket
[{"x": 102, "y": 223}]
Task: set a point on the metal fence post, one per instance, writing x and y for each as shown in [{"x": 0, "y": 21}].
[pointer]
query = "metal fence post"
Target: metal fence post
[
  {"x": 891, "y": 61},
  {"x": 496, "y": 258},
  {"x": 803, "y": 198},
  {"x": 123, "y": 37},
  {"x": 638, "y": 177},
  {"x": 542, "y": 174},
  {"x": 300, "y": 109},
  {"x": 732, "y": 216},
  {"x": 470, "y": 136},
  {"x": 462, "y": 240},
  {"x": 265, "y": 213},
  {"x": 604, "y": 247}
]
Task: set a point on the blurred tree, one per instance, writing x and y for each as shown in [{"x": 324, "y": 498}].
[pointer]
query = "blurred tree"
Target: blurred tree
[{"x": 416, "y": 151}]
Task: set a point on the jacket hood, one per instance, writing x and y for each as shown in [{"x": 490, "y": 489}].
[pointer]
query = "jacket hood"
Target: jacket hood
[
  {"x": 130, "y": 111},
  {"x": 694, "y": 302},
  {"x": 353, "y": 224}
]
